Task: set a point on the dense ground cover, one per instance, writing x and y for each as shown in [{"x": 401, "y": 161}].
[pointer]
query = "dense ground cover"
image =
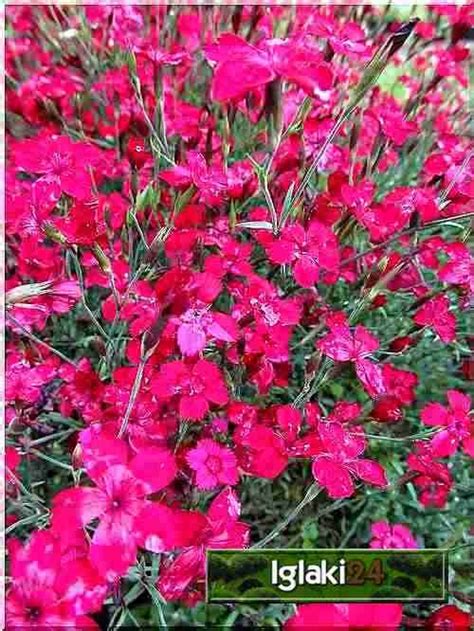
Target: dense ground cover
[{"x": 237, "y": 292}]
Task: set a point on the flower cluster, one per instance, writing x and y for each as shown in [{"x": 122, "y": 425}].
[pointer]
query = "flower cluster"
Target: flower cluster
[{"x": 235, "y": 237}]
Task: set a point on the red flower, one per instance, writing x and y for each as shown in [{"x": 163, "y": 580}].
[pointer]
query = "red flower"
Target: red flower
[
  {"x": 457, "y": 423},
  {"x": 449, "y": 618},
  {"x": 387, "y": 409},
  {"x": 435, "y": 313},
  {"x": 260, "y": 451},
  {"x": 137, "y": 152},
  {"x": 434, "y": 480},
  {"x": 197, "y": 386},
  {"x": 400, "y": 383},
  {"x": 308, "y": 251},
  {"x": 298, "y": 62},
  {"x": 83, "y": 225},
  {"x": 118, "y": 498},
  {"x": 339, "y": 461},
  {"x": 341, "y": 344}
]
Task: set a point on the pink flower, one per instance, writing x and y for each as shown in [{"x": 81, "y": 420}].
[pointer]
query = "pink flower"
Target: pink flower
[
  {"x": 162, "y": 528},
  {"x": 24, "y": 382},
  {"x": 50, "y": 587},
  {"x": 460, "y": 268},
  {"x": 339, "y": 462},
  {"x": 346, "y": 38},
  {"x": 117, "y": 500},
  {"x": 61, "y": 162},
  {"x": 385, "y": 535},
  {"x": 308, "y": 251},
  {"x": 435, "y": 313},
  {"x": 341, "y": 344},
  {"x": 297, "y": 62},
  {"x": 362, "y": 616},
  {"x": 197, "y": 324},
  {"x": 210, "y": 181},
  {"x": 261, "y": 451},
  {"x": 433, "y": 479},
  {"x": 197, "y": 386},
  {"x": 457, "y": 422},
  {"x": 213, "y": 464},
  {"x": 223, "y": 530},
  {"x": 258, "y": 299}
]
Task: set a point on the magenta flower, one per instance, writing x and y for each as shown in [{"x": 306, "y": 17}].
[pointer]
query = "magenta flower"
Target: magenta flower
[
  {"x": 297, "y": 62},
  {"x": 223, "y": 530},
  {"x": 60, "y": 162},
  {"x": 435, "y": 313},
  {"x": 460, "y": 268},
  {"x": 339, "y": 462},
  {"x": 308, "y": 251},
  {"x": 50, "y": 587},
  {"x": 349, "y": 617},
  {"x": 457, "y": 421},
  {"x": 341, "y": 344},
  {"x": 213, "y": 464},
  {"x": 210, "y": 181},
  {"x": 198, "y": 324},
  {"x": 196, "y": 386},
  {"x": 117, "y": 500},
  {"x": 385, "y": 535}
]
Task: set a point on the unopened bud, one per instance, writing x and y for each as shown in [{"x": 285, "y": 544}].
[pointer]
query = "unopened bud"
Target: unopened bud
[
  {"x": 399, "y": 344},
  {"x": 76, "y": 457},
  {"x": 53, "y": 233},
  {"x": 101, "y": 258}
]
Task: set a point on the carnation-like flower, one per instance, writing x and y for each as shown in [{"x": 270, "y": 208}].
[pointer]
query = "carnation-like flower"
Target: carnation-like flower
[
  {"x": 322, "y": 617},
  {"x": 385, "y": 535},
  {"x": 213, "y": 464}
]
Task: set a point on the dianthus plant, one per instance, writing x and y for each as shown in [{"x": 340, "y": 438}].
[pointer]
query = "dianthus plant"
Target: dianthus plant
[{"x": 237, "y": 283}]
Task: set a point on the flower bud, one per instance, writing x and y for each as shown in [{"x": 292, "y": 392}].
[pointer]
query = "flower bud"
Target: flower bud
[
  {"x": 399, "y": 344},
  {"x": 76, "y": 457},
  {"x": 379, "y": 301},
  {"x": 101, "y": 258},
  {"x": 53, "y": 233}
]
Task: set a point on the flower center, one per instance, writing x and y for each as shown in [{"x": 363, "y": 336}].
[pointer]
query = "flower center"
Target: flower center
[
  {"x": 116, "y": 502},
  {"x": 33, "y": 613},
  {"x": 60, "y": 162},
  {"x": 213, "y": 463}
]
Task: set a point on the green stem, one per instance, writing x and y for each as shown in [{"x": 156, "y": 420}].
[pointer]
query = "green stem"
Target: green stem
[
  {"x": 38, "y": 341},
  {"x": 313, "y": 491},
  {"x": 53, "y": 461},
  {"x": 133, "y": 396},
  {"x": 404, "y": 233},
  {"x": 158, "y": 601}
]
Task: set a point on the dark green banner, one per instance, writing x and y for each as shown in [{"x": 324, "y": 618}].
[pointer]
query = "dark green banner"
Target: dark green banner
[{"x": 299, "y": 576}]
